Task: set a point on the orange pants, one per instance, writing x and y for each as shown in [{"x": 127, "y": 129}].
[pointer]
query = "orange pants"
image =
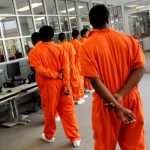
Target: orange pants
[
  {"x": 108, "y": 129},
  {"x": 53, "y": 99},
  {"x": 75, "y": 83},
  {"x": 81, "y": 79},
  {"x": 87, "y": 84}
]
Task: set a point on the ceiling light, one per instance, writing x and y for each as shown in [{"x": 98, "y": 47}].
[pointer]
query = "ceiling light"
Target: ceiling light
[
  {"x": 132, "y": 6},
  {"x": 72, "y": 17},
  {"x": 26, "y": 8},
  {"x": 81, "y": 7},
  {"x": 40, "y": 18},
  {"x": 140, "y": 7},
  {"x": 2, "y": 18}
]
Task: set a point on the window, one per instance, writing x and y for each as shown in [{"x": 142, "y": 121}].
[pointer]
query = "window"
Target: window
[
  {"x": 68, "y": 36},
  {"x": 53, "y": 22},
  {"x": 6, "y": 7},
  {"x": 73, "y": 21},
  {"x": 83, "y": 7},
  {"x": 9, "y": 27},
  {"x": 27, "y": 44},
  {"x": 71, "y": 7},
  {"x": 40, "y": 21},
  {"x": 23, "y": 7},
  {"x": 14, "y": 49},
  {"x": 85, "y": 22},
  {"x": 2, "y": 56},
  {"x": 51, "y": 7},
  {"x": 64, "y": 23},
  {"x": 62, "y": 7},
  {"x": 26, "y": 25},
  {"x": 37, "y": 6},
  {"x": 55, "y": 39}
]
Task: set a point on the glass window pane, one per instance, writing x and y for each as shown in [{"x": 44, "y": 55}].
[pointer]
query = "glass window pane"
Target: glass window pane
[
  {"x": 85, "y": 22},
  {"x": 38, "y": 7},
  {"x": 74, "y": 24},
  {"x": 51, "y": 7},
  {"x": 62, "y": 7},
  {"x": 83, "y": 7},
  {"x": 64, "y": 23},
  {"x": 14, "y": 49},
  {"x": 27, "y": 44},
  {"x": 40, "y": 21},
  {"x": 9, "y": 27},
  {"x": 55, "y": 39},
  {"x": 6, "y": 7},
  {"x": 23, "y": 7},
  {"x": 26, "y": 25},
  {"x": 53, "y": 22},
  {"x": 71, "y": 7},
  {"x": 68, "y": 36},
  {"x": 0, "y": 30},
  {"x": 2, "y": 55}
]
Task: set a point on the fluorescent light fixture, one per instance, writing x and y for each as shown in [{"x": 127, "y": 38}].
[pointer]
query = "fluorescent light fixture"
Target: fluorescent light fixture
[
  {"x": 72, "y": 18},
  {"x": 26, "y": 8},
  {"x": 132, "y": 6},
  {"x": 140, "y": 7},
  {"x": 134, "y": 16},
  {"x": 81, "y": 7},
  {"x": 40, "y": 18},
  {"x": 2, "y": 18},
  {"x": 71, "y": 9}
]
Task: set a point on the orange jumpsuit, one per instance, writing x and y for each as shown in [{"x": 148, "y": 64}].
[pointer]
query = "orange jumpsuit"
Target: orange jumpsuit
[
  {"x": 87, "y": 83},
  {"x": 113, "y": 56},
  {"x": 44, "y": 58},
  {"x": 50, "y": 73},
  {"x": 74, "y": 76},
  {"x": 77, "y": 46}
]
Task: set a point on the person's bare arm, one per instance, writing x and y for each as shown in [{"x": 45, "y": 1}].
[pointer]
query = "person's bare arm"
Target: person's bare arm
[
  {"x": 126, "y": 115},
  {"x": 132, "y": 81}
]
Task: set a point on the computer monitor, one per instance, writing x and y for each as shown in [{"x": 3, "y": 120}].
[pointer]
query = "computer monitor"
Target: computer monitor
[{"x": 13, "y": 70}]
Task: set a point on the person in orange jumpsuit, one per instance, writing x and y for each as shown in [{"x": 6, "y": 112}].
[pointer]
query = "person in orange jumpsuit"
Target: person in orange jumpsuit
[
  {"x": 36, "y": 40},
  {"x": 84, "y": 36},
  {"x": 77, "y": 44},
  {"x": 49, "y": 56},
  {"x": 114, "y": 63},
  {"x": 74, "y": 76}
]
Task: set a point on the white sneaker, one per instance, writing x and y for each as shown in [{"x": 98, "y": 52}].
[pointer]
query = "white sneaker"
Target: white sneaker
[
  {"x": 85, "y": 96},
  {"x": 43, "y": 137},
  {"x": 76, "y": 143},
  {"x": 57, "y": 119},
  {"x": 91, "y": 91},
  {"x": 78, "y": 102},
  {"x": 86, "y": 91}
]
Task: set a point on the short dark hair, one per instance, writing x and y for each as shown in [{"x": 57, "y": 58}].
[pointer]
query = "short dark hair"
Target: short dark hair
[
  {"x": 83, "y": 32},
  {"x": 75, "y": 34},
  {"x": 62, "y": 37},
  {"x": 99, "y": 15},
  {"x": 46, "y": 33},
  {"x": 35, "y": 37}
]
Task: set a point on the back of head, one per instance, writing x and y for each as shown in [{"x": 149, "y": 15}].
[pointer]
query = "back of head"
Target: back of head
[
  {"x": 83, "y": 32},
  {"x": 62, "y": 37},
  {"x": 75, "y": 34},
  {"x": 99, "y": 15},
  {"x": 46, "y": 33},
  {"x": 35, "y": 37}
]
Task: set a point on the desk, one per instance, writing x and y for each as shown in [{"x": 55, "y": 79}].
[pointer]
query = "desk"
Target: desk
[{"x": 12, "y": 97}]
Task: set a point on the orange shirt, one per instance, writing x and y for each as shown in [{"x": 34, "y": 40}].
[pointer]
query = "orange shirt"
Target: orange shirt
[
  {"x": 77, "y": 44},
  {"x": 70, "y": 51},
  {"x": 49, "y": 59},
  {"x": 82, "y": 40},
  {"x": 112, "y": 56}
]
